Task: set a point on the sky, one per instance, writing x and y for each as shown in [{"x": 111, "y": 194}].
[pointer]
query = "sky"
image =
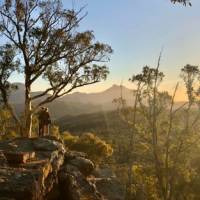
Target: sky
[{"x": 137, "y": 30}]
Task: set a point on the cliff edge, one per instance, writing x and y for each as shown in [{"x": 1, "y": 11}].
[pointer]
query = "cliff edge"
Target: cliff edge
[{"x": 43, "y": 169}]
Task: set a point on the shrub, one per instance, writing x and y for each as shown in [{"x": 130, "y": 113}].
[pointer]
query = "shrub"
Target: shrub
[
  {"x": 9, "y": 135},
  {"x": 69, "y": 139},
  {"x": 54, "y": 131},
  {"x": 90, "y": 144}
]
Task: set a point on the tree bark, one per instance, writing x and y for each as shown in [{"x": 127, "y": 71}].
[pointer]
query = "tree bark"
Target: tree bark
[{"x": 28, "y": 111}]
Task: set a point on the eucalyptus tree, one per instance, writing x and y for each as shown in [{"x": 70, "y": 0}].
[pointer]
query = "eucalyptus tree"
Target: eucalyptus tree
[{"x": 43, "y": 41}]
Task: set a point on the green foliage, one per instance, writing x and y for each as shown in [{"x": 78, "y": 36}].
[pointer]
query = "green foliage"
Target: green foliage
[
  {"x": 190, "y": 75},
  {"x": 93, "y": 146},
  {"x": 7, "y": 129},
  {"x": 148, "y": 76},
  {"x": 54, "y": 131},
  {"x": 164, "y": 138},
  {"x": 163, "y": 160},
  {"x": 8, "y": 64},
  {"x": 69, "y": 139},
  {"x": 144, "y": 185},
  {"x": 9, "y": 135},
  {"x": 46, "y": 38},
  {"x": 4, "y": 120},
  {"x": 184, "y": 2}
]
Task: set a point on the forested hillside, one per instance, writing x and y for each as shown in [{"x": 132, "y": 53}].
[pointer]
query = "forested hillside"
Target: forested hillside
[{"x": 155, "y": 141}]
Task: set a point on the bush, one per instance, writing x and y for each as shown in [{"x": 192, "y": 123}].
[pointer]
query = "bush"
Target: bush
[
  {"x": 54, "y": 131},
  {"x": 9, "y": 135},
  {"x": 93, "y": 146},
  {"x": 69, "y": 139}
]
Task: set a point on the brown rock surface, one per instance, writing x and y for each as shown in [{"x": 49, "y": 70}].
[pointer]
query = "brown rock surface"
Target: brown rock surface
[
  {"x": 22, "y": 179},
  {"x": 42, "y": 169},
  {"x": 110, "y": 188},
  {"x": 84, "y": 165},
  {"x": 18, "y": 157}
]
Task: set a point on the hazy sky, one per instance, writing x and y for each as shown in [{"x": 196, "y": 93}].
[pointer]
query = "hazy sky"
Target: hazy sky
[{"x": 137, "y": 30}]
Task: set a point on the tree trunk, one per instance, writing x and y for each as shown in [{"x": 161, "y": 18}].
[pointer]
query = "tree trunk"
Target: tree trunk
[{"x": 28, "y": 112}]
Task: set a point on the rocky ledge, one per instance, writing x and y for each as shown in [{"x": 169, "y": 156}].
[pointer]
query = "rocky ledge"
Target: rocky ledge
[{"x": 42, "y": 169}]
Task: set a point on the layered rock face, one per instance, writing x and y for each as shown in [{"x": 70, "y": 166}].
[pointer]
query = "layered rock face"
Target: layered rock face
[{"x": 42, "y": 169}]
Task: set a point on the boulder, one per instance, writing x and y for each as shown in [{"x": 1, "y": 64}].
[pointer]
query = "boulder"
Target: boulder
[
  {"x": 3, "y": 160},
  {"x": 18, "y": 157},
  {"x": 110, "y": 188},
  {"x": 44, "y": 144},
  {"x": 85, "y": 166},
  {"x": 20, "y": 184},
  {"x": 32, "y": 167},
  {"x": 42, "y": 169},
  {"x": 104, "y": 172},
  {"x": 74, "y": 154},
  {"x": 75, "y": 186}
]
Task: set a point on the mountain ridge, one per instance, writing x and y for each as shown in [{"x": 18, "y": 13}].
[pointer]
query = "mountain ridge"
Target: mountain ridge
[
  {"x": 76, "y": 103},
  {"x": 112, "y": 92}
]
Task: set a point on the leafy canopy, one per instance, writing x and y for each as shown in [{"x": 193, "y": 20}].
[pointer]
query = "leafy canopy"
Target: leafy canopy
[
  {"x": 47, "y": 41},
  {"x": 184, "y": 2}
]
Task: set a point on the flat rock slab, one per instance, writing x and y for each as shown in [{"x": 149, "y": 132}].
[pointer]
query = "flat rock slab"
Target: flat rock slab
[
  {"x": 32, "y": 166},
  {"x": 19, "y": 157}
]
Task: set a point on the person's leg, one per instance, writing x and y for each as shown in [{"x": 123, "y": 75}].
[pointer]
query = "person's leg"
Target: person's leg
[
  {"x": 43, "y": 130},
  {"x": 48, "y": 129},
  {"x": 40, "y": 130}
]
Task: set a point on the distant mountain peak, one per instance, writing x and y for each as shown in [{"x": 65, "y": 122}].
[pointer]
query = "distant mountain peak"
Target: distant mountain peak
[{"x": 115, "y": 86}]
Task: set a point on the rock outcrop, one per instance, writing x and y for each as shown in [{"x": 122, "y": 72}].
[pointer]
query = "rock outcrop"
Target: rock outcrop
[{"x": 42, "y": 169}]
